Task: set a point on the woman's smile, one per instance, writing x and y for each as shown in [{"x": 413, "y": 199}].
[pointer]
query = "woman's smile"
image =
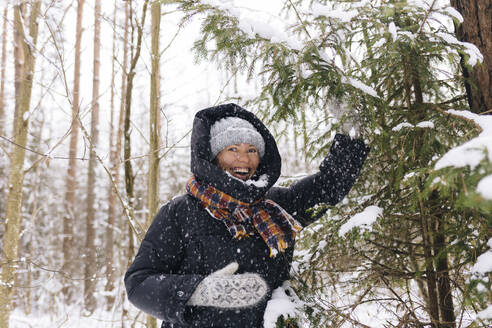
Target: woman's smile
[{"x": 240, "y": 160}]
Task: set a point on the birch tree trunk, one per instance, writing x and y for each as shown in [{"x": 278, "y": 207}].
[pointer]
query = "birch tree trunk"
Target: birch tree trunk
[
  {"x": 24, "y": 72},
  {"x": 113, "y": 158},
  {"x": 3, "y": 62},
  {"x": 477, "y": 29},
  {"x": 32, "y": 208},
  {"x": 123, "y": 224},
  {"x": 153, "y": 178},
  {"x": 119, "y": 135},
  {"x": 71, "y": 179},
  {"x": 90, "y": 258}
]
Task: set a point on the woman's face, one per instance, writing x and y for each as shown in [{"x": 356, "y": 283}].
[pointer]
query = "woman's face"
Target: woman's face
[{"x": 239, "y": 160}]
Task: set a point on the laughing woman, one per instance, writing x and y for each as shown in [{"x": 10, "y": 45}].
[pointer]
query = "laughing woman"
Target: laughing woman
[{"x": 212, "y": 257}]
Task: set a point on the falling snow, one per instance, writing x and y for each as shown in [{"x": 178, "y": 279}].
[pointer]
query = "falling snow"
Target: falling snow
[{"x": 254, "y": 23}]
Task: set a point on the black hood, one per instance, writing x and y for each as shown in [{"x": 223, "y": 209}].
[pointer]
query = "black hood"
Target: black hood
[{"x": 209, "y": 173}]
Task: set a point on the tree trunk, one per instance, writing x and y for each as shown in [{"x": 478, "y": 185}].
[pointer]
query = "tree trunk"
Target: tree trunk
[
  {"x": 153, "y": 178},
  {"x": 113, "y": 158},
  {"x": 430, "y": 274},
  {"x": 296, "y": 145},
  {"x": 33, "y": 207},
  {"x": 90, "y": 258},
  {"x": 133, "y": 227},
  {"x": 477, "y": 29},
  {"x": 123, "y": 223},
  {"x": 3, "y": 62},
  {"x": 446, "y": 307},
  {"x": 129, "y": 178},
  {"x": 24, "y": 72},
  {"x": 305, "y": 139},
  {"x": 71, "y": 179}
]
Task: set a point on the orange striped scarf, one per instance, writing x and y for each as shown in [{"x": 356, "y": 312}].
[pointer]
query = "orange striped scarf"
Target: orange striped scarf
[{"x": 277, "y": 227}]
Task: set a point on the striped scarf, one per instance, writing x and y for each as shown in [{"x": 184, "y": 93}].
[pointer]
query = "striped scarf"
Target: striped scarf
[{"x": 277, "y": 227}]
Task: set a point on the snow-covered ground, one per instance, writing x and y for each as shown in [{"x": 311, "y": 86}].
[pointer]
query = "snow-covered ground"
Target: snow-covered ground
[{"x": 74, "y": 319}]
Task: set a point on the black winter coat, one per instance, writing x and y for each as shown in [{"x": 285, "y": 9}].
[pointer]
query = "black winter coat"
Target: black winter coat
[{"x": 184, "y": 243}]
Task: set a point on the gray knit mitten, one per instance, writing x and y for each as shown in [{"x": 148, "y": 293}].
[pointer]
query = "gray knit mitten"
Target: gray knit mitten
[{"x": 224, "y": 289}]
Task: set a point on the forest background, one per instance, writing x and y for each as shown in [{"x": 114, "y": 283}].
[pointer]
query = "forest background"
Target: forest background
[{"x": 96, "y": 103}]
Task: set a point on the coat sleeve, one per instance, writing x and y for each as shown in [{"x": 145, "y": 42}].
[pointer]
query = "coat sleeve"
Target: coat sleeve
[
  {"x": 337, "y": 174},
  {"x": 152, "y": 281}
]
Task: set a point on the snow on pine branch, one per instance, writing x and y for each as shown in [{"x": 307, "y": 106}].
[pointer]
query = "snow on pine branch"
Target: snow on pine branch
[
  {"x": 474, "y": 55},
  {"x": 359, "y": 85},
  {"x": 428, "y": 5},
  {"x": 441, "y": 14},
  {"x": 454, "y": 13},
  {"x": 255, "y": 22},
  {"x": 393, "y": 31},
  {"x": 283, "y": 303},
  {"x": 439, "y": 17},
  {"x": 364, "y": 219},
  {"x": 422, "y": 125},
  {"x": 484, "y": 262},
  {"x": 472, "y": 152},
  {"x": 485, "y": 314},
  {"x": 343, "y": 15},
  {"x": 484, "y": 188}
]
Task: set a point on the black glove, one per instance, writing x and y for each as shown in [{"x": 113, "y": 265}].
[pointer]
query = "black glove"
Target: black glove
[{"x": 346, "y": 156}]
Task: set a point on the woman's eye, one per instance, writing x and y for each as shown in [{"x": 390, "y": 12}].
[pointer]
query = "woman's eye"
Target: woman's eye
[
  {"x": 232, "y": 149},
  {"x": 252, "y": 150}
]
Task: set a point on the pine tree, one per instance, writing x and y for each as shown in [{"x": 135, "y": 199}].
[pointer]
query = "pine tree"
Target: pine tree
[{"x": 394, "y": 65}]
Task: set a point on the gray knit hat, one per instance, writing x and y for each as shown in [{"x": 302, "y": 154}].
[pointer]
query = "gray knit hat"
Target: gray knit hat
[{"x": 234, "y": 130}]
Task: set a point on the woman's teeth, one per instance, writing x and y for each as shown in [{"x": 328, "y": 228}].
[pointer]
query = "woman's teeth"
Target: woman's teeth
[{"x": 241, "y": 171}]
